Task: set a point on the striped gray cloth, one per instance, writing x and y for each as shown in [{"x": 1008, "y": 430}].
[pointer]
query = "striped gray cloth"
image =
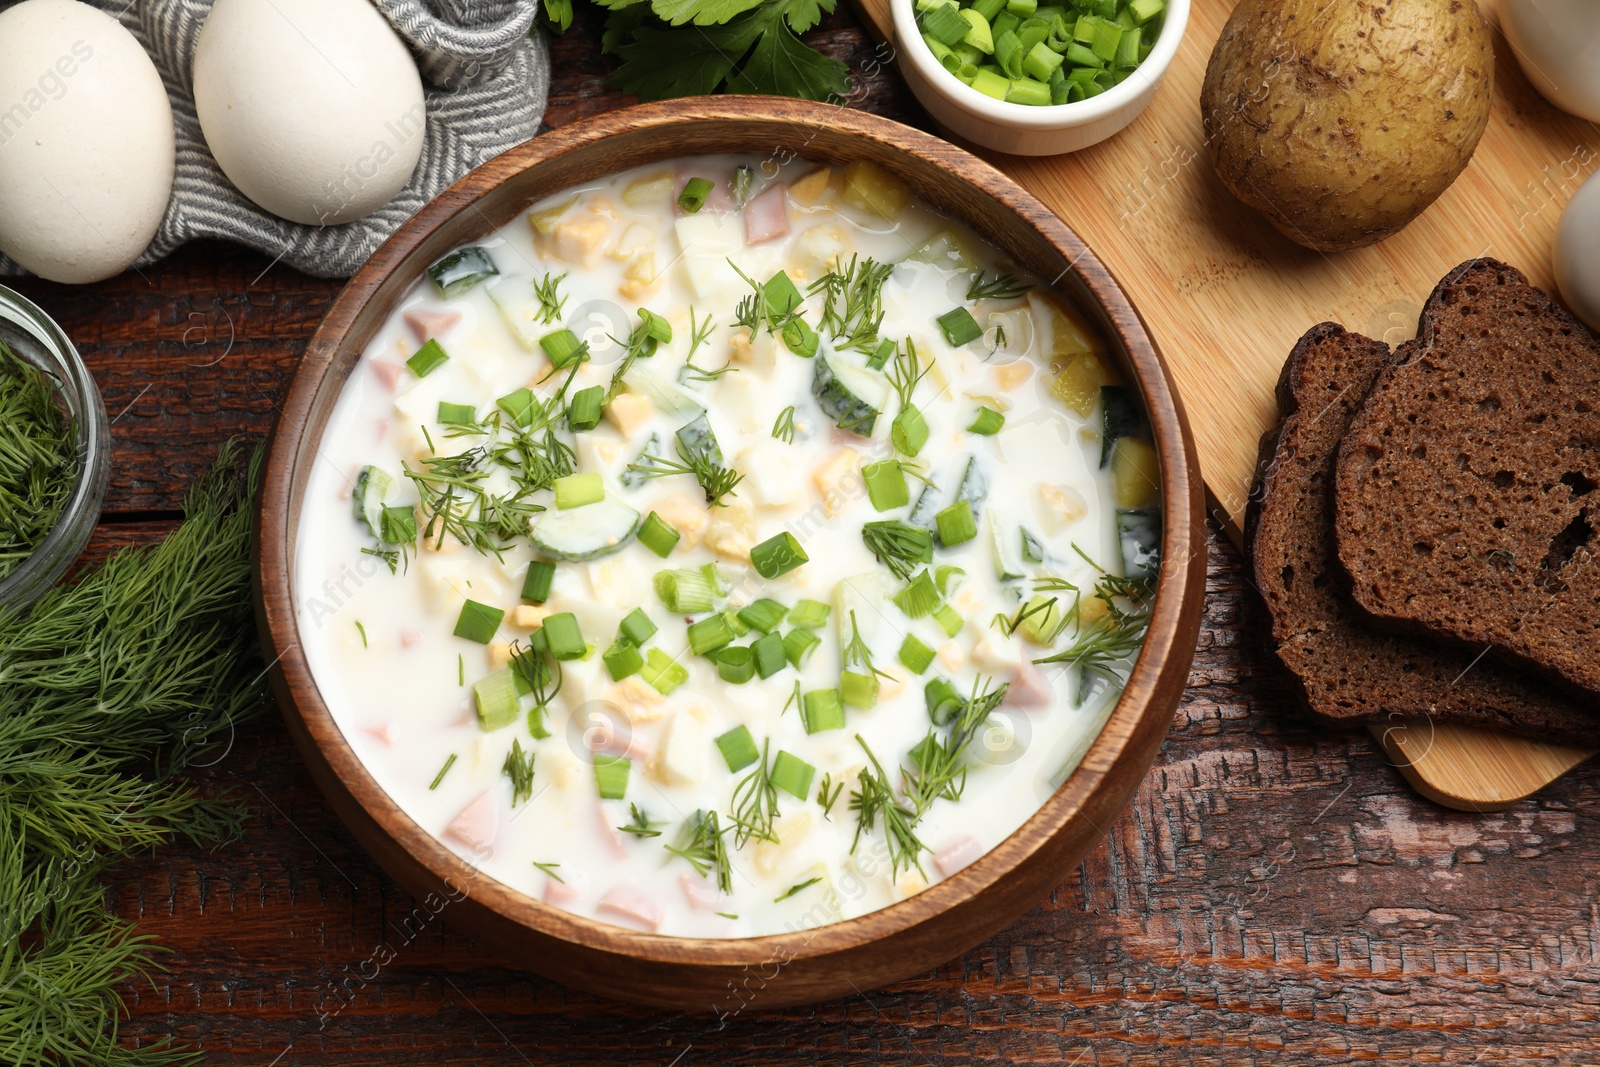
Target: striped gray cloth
[{"x": 485, "y": 79}]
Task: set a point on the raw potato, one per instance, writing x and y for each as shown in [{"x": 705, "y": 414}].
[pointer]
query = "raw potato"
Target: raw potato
[{"x": 1341, "y": 122}]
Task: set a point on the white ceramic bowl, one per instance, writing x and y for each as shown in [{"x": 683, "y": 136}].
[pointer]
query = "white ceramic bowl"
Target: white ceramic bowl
[
  {"x": 1021, "y": 129},
  {"x": 1557, "y": 43}
]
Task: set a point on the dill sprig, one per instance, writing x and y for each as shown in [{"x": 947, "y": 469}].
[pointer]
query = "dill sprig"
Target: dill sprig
[
  {"x": 716, "y": 480},
  {"x": 1010, "y": 624},
  {"x": 939, "y": 765},
  {"x": 539, "y": 670},
  {"x": 112, "y": 686},
  {"x": 640, "y": 824},
  {"x": 699, "y": 332},
  {"x": 828, "y": 795},
  {"x": 547, "y": 291},
  {"x": 519, "y": 768},
  {"x": 876, "y": 803},
  {"x": 1101, "y": 647},
  {"x": 783, "y": 428},
  {"x": 549, "y": 870},
  {"x": 1004, "y": 286},
  {"x": 856, "y": 653},
  {"x": 755, "y": 803},
  {"x": 907, "y": 373},
  {"x": 799, "y": 887},
  {"x": 38, "y": 459},
  {"x": 898, "y": 545},
  {"x": 700, "y": 842},
  {"x": 852, "y": 301}
]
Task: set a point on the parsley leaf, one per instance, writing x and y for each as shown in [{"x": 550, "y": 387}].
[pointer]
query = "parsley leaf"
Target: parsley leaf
[
  {"x": 784, "y": 65},
  {"x": 701, "y": 12}
]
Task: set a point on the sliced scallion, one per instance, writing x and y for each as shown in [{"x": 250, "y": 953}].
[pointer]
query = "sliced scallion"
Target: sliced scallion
[
  {"x": 798, "y": 646},
  {"x": 763, "y": 615},
  {"x": 611, "y": 776},
  {"x": 736, "y": 664},
  {"x": 478, "y": 622},
  {"x": 536, "y": 583},
  {"x": 622, "y": 659},
  {"x": 738, "y": 748},
  {"x": 576, "y": 490},
  {"x": 583, "y": 413},
  {"x": 564, "y": 636},
  {"x": 685, "y": 592},
  {"x": 563, "y": 348},
  {"x": 770, "y": 654},
  {"x": 427, "y": 359},
  {"x": 792, "y": 774},
  {"x": 809, "y": 614},
  {"x": 822, "y": 709},
  {"x": 637, "y": 627},
  {"x": 663, "y": 672},
  {"x": 915, "y": 656},
  {"x": 656, "y": 534},
  {"x": 956, "y": 524},
  {"x": 778, "y": 555},
  {"x": 694, "y": 194},
  {"x": 709, "y": 634}
]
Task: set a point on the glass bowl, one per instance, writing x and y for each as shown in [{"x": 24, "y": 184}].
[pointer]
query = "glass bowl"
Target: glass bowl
[{"x": 35, "y": 337}]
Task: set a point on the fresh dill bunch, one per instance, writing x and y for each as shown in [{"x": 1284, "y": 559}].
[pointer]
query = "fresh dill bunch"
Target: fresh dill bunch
[
  {"x": 38, "y": 459},
  {"x": 939, "y": 765},
  {"x": 876, "y": 803},
  {"x": 1101, "y": 647},
  {"x": 640, "y": 824},
  {"x": 519, "y": 768},
  {"x": 856, "y": 653},
  {"x": 783, "y": 428},
  {"x": 852, "y": 308},
  {"x": 109, "y": 686},
  {"x": 898, "y": 545},
  {"x": 699, "y": 332},
  {"x": 1004, "y": 286},
  {"x": 547, "y": 291},
  {"x": 701, "y": 843},
  {"x": 755, "y": 802}
]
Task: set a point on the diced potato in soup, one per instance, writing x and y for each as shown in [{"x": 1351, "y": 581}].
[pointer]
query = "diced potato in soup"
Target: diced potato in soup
[{"x": 739, "y": 548}]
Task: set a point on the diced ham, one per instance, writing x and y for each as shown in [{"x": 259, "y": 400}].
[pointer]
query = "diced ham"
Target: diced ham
[
  {"x": 428, "y": 323},
  {"x": 702, "y": 893},
  {"x": 611, "y": 816},
  {"x": 626, "y": 902},
  {"x": 1029, "y": 688},
  {"x": 388, "y": 374},
  {"x": 476, "y": 825},
  {"x": 381, "y": 431},
  {"x": 383, "y": 733},
  {"x": 766, "y": 217},
  {"x": 410, "y": 638},
  {"x": 616, "y": 740},
  {"x": 560, "y": 894},
  {"x": 349, "y": 486},
  {"x": 956, "y": 855}
]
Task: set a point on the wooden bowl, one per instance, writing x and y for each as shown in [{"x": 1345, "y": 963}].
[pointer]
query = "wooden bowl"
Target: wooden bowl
[{"x": 897, "y": 942}]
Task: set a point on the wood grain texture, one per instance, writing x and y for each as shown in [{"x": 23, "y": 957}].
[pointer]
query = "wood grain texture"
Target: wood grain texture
[
  {"x": 1274, "y": 894},
  {"x": 1227, "y": 296}
]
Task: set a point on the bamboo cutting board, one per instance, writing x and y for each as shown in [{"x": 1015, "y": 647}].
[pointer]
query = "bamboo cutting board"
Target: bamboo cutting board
[{"x": 1226, "y": 297}]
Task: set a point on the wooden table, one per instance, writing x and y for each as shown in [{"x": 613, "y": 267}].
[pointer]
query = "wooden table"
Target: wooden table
[{"x": 1274, "y": 889}]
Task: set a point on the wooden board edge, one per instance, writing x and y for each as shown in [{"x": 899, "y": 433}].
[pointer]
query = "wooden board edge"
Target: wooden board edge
[{"x": 1504, "y": 769}]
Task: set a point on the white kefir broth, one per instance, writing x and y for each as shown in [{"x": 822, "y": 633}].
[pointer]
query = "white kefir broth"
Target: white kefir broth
[{"x": 400, "y": 685}]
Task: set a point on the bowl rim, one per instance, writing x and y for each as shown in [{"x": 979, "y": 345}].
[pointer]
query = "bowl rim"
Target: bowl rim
[
  {"x": 1144, "y": 79},
  {"x": 1172, "y": 616}
]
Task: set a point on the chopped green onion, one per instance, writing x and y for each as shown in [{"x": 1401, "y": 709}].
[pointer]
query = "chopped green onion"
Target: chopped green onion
[
  {"x": 1008, "y": 53},
  {"x": 943, "y": 700},
  {"x": 738, "y": 748},
  {"x": 736, "y": 664},
  {"x": 397, "y": 524},
  {"x": 909, "y": 431},
  {"x": 763, "y": 615},
  {"x": 792, "y": 774},
  {"x": 656, "y": 534},
  {"x": 1027, "y": 91},
  {"x": 915, "y": 656},
  {"x": 710, "y": 633},
  {"x": 978, "y": 33},
  {"x": 637, "y": 627},
  {"x": 821, "y": 709},
  {"x": 611, "y": 776},
  {"x": 882, "y": 355},
  {"x": 1041, "y": 61},
  {"x": 948, "y": 578},
  {"x": 809, "y": 614},
  {"x": 886, "y": 485},
  {"x": 576, "y": 490},
  {"x": 777, "y": 555},
  {"x": 456, "y": 414},
  {"x": 565, "y": 637},
  {"x": 956, "y": 524},
  {"x": 945, "y": 24},
  {"x": 919, "y": 598},
  {"x": 654, "y": 326},
  {"x": 949, "y": 620},
  {"x": 536, "y": 725},
  {"x": 858, "y": 690},
  {"x": 685, "y": 592},
  {"x": 520, "y": 405},
  {"x": 1022, "y": 8},
  {"x": 451, "y": 762},
  {"x": 988, "y": 8},
  {"x": 798, "y": 646},
  {"x": 1080, "y": 56},
  {"x": 770, "y": 654},
  {"x": 583, "y": 414},
  {"x": 800, "y": 338},
  {"x": 496, "y": 698},
  {"x": 563, "y": 348},
  {"x": 663, "y": 672},
  {"x": 994, "y": 84},
  {"x": 959, "y": 326},
  {"x": 536, "y": 584},
  {"x": 427, "y": 359},
  {"x": 779, "y": 297},
  {"x": 694, "y": 194},
  {"x": 478, "y": 622},
  {"x": 622, "y": 659},
  {"x": 1145, "y": 10}
]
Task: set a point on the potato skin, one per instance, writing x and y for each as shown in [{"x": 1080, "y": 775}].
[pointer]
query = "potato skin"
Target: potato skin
[{"x": 1342, "y": 121}]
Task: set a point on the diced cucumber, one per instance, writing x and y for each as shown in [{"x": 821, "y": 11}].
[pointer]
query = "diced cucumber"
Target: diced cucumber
[
  {"x": 924, "y": 510},
  {"x": 585, "y": 533},
  {"x": 852, "y": 398},
  {"x": 697, "y": 440},
  {"x": 460, "y": 270},
  {"x": 373, "y": 486},
  {"x": 1121, "y": 416},
  {"x": 974, "y": 487},
  {"x": 519, "y": 307},
  {"x": 1032, "y": 548},
  {"x": 666, "y": 394},
  {"x": 947, "y": 249},
  {"x": 1139, "y": 531},
  {"x": 632, "y": 479},
  {"x": 1003, "y": 539}
]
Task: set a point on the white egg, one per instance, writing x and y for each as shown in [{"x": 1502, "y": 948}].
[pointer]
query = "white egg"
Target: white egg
[
  {"x": 86, "y": 142},
  {"x": 313, "y": 108},
  {"x": 1577, "y": 258},
  {"x": 1557, "y": 42}
]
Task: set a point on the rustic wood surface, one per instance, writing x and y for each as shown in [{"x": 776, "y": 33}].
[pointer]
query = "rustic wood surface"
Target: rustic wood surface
[{"x": 1274, "y": 894}]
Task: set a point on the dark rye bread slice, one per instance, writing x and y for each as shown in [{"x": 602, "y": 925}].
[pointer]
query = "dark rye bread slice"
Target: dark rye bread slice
[
  {"x": 1351, "y": 674},
  {"x": 1466, "y": 490}
]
